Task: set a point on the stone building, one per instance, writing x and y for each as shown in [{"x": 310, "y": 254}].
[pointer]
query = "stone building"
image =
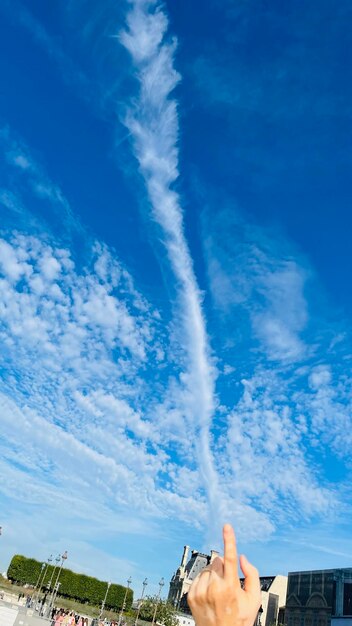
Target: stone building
[
  {"x": 319, "y": 598},
  {"x": 185, "y": 575},
  {"x": 273, "y": 587}
]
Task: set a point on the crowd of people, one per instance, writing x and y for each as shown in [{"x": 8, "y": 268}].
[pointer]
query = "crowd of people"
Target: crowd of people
[{"x": 64, "y": 617}]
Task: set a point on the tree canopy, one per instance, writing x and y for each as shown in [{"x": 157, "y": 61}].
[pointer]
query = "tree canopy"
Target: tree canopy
[
  {"x": 165, "y": 613},
  {"x": 78, "y": 587}
]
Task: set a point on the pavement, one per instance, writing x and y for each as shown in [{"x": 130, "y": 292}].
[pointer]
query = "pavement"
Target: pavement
[{"x": 13, "y": 614}]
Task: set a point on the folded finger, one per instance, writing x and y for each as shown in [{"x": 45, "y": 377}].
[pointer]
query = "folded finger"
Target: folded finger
[
  {"x": 251, "y": 578},
  {"x": 202, "y": 583},
  {"x": 217, "y": 566}
]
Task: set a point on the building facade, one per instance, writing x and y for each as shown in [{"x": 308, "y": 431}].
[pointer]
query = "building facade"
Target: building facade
[
  {"x": 319, "y": 598},
  {"x": 273, "y": 588},
  {"x": 185, "y": 620},
  {"x": 273, "y": 591},
  {"x": 184, "y": 576}
]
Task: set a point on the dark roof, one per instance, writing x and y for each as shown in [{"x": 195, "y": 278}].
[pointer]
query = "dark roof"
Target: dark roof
[
  {"x": 323, "y": 571},
  {"x": 265, "y": 582}
]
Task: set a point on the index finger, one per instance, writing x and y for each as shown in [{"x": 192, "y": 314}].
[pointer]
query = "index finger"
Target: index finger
[{"x": 230, "y": 556}]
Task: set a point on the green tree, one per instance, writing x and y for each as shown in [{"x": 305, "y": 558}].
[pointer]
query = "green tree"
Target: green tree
[
  {"x": 75, "y": 586},
  {"x": 165, "y": 613}
]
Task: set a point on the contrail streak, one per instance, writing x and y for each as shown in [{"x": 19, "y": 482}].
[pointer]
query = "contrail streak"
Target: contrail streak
[{"x": 153, "y": 123}]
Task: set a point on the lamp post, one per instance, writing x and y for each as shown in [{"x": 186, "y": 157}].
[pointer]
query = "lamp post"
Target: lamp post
[
  {"x": 57, "y": 560},
  {"x": 35, "y": 592},
  {"x": 45, "y": 593},
  {"x": 49, "y": 561},
  {"x": 40, "y": 581},
  {"x": 124, "y": 601},
  {"x": 161, "y": 584},
  {"x": 40, "y": 575},
  {"x": 103, "y": 602},
  {"x": 55, "y": 589},
  {"x": 144, "y": 583}
]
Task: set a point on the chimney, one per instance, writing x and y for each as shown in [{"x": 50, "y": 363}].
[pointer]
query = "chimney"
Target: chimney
[
  {"x": 213, "y": 555},
  {"x": 185, "y": 556}
]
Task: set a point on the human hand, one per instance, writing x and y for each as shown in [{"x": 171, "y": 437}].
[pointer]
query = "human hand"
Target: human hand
[{"x": 216, "y": 597}]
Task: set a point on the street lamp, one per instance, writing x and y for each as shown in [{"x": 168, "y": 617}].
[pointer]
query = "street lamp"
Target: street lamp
[
  {"x": 50, "y": 560},
  {"x": 161, "y": 584},
  {"x": 40, "y": 575},
  {"x": 57, "y": 560},
  {"x": 103, "y": 602},
  {"x": 40, "y": 581},
  {"x": 124, "y": 601},
  {"x": 45, "y": 593},
  {"x": 35, "y": 592},
  {"x": 63, "y": 559},
  {"x": 56, "y": 587},
  {"x": 144, "y": 583}
]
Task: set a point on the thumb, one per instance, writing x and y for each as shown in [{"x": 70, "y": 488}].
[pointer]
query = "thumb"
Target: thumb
[{"x": 251, "y": 578}]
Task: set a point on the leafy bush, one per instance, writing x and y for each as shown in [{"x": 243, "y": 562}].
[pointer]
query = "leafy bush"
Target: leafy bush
[
  {"x": 78, "y": 587},
  {"x": 165, "y": 613}
]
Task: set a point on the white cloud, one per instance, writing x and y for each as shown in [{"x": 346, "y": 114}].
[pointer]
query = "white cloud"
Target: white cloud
[
  {"x": 21, "y": 161},
  {"x": 267, "y": 453},
  {"x": 84, "y": 417},
  {"x": 153, "y": 123},
  {"x": 327, "y": 405},
  {"x": 18, "y": 156},
  {"x": 320, "y": 376},
  {"x": 249, "y": 270},
  {"x": 93, "y": 407}
]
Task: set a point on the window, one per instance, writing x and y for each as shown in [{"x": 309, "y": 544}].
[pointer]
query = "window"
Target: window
[{"x": 347, "y": 599}]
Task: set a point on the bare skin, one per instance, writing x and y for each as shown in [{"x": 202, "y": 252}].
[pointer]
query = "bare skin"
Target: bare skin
[{"x": 216, "y": 597}]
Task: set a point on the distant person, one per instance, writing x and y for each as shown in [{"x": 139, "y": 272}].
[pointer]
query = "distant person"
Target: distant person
[
  {"x": 59, "y": 618},
  {"x": 216, "y": 597}
]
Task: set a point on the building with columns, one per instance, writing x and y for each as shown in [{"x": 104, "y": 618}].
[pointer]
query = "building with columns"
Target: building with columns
[{"x": 319, "y": 598}]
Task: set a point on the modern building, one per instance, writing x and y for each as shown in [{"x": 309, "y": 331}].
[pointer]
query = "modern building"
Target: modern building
[
  {"x": 319, "y": 598},
  {"x": 273, "y": 588}
]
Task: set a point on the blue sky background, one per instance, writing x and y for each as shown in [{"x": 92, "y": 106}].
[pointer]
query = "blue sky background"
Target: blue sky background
[{"x": 174, "y": 282}]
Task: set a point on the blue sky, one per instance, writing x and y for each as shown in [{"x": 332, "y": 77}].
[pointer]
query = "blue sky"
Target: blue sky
[{"x": 174, "y": 283}]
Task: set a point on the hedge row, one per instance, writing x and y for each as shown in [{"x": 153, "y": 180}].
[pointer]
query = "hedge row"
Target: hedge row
[{"x": 78, "y": 587}]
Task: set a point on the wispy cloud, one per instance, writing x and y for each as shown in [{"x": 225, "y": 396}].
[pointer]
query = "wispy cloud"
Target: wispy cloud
[
  {"x": 293, "y": 400},
  {"x": 246, "y": 270},
  {"x": 30, "y": 172},
  {"x": 70, "y": 72},
  {"x": 80, "y": 349},
  {"x": 153, "y": 124},
  {"x": 104, "y": 401}
]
